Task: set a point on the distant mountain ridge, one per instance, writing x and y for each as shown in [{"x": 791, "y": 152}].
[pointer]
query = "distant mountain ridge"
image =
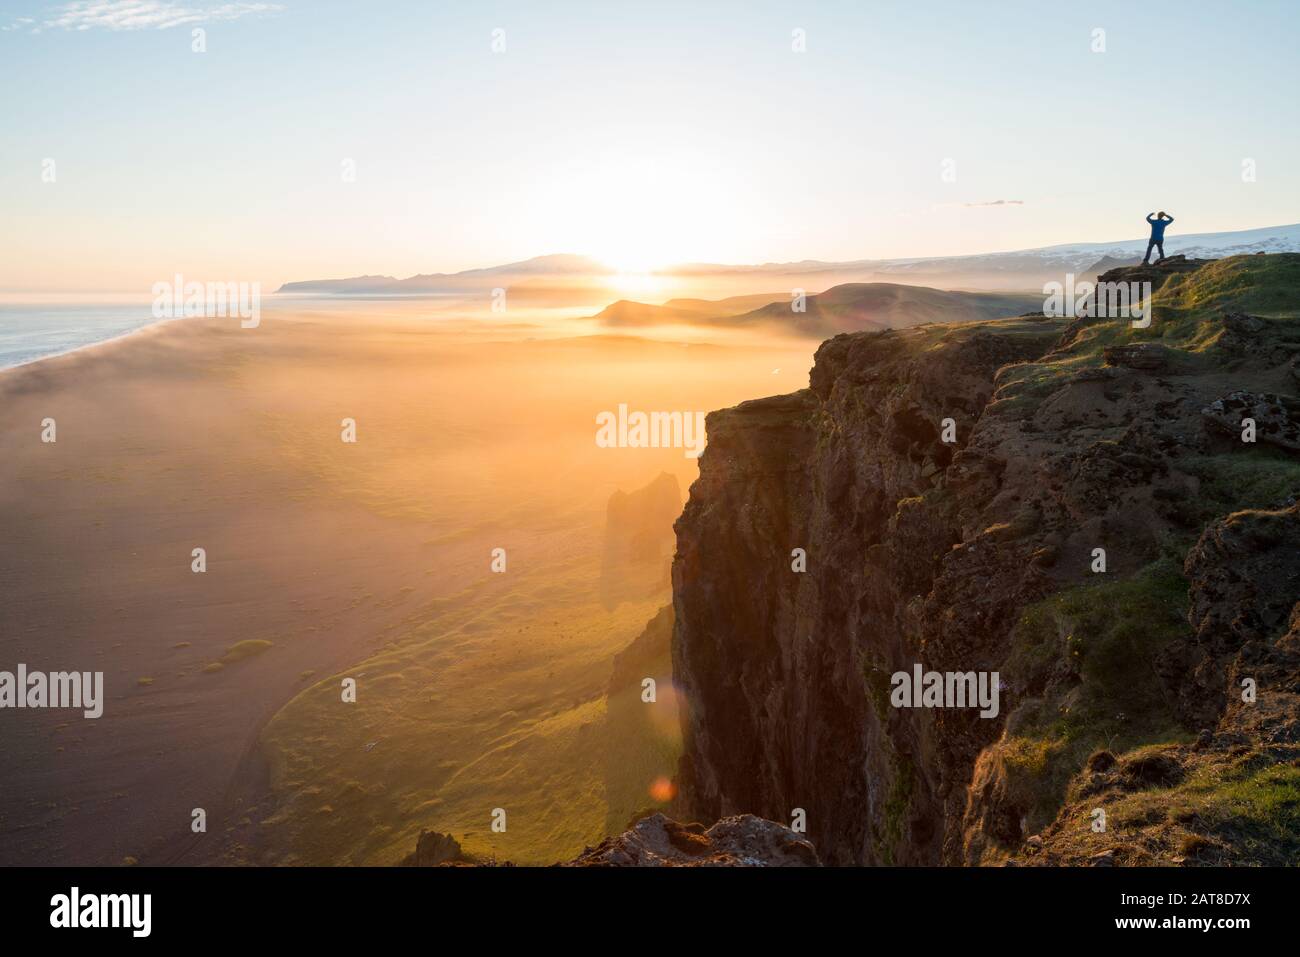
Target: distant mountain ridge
[
  {"x": 1016, "y": 269},
  {"x": 850, "y": 307},
  {"x": 556, "y": 264}
]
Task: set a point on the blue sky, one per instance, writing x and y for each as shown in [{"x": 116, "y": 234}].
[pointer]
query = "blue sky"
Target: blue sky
[{"x": 642, "y": 133}]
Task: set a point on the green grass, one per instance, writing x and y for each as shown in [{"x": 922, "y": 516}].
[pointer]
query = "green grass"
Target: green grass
[
  {"x": 1251, "y": 805},
  {"x": 1258, "y": 808},
  {"x": 1257, "y": 477},
  {"x": 501, "y": 703},
  {"x": 899, "y": 799},
  {"x": 1105, "y": 636},
  {"x": 1186, "y": 313},
  {"x": 642, "y": 745},
  {"x": 1258, "y": 285},
  {"x": 1252, "y": 477}
]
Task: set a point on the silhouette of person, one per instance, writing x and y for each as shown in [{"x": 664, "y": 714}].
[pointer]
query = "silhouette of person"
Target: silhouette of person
[{"x": 1158, "y": 223}]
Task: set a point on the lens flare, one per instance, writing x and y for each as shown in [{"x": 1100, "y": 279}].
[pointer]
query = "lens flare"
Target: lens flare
[{"x": 663, "y": 790}]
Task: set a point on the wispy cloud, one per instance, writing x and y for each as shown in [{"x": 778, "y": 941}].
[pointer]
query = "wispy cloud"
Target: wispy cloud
[
  {"x": 139, "y": 15},
  {"x": 1000, "y": 202}
]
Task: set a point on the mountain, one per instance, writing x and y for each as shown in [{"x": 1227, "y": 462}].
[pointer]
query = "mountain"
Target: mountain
[
  {"x": 1106, "y": 264},
  {"x": 1025, "y": 269},
  {"x": 1120, "y": 686},
  {"x": 845, "y": 308},
  {"x": 557, "y": 266},
  {"x": 626, "y": 312},
  {"x": 879, "y": 305}
]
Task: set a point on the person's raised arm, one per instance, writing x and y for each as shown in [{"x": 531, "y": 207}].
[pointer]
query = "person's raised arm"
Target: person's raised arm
[
  {"x": 1168, "y": 218},
  {"x": 1151, "y": 217}
]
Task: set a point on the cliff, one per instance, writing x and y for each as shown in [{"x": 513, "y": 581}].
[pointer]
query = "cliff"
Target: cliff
[
  {"x": 950, "y": 487},
  {"x": 638, "y": 541}
]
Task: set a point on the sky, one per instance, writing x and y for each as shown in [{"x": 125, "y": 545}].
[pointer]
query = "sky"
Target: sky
[{"x": 641, "y": 134}]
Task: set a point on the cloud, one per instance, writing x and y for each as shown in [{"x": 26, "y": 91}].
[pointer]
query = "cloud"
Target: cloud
[
  {"x": 1000, "y": 202},
  {"x": 140, "y": 15}
]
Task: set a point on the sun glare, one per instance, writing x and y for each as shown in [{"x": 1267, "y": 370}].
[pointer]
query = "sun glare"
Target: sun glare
[
  {"x": 636, "y": 256},
  {"x": 636, "y": 283}
]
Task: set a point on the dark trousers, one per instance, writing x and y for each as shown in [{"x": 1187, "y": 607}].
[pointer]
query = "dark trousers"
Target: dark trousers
[{"x": 1157, "y": 244}]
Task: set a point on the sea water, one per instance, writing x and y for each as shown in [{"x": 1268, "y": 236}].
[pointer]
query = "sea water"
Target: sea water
[{"x": 33, "y": 331}]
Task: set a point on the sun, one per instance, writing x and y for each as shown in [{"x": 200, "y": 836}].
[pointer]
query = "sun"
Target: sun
[
  {"x": 635, "y": 282},
  {"x": 639, "y": 270},
  {"x": 633, "y": 259}
]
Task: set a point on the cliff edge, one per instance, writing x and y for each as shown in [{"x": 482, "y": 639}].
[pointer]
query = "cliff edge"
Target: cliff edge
[{"x": 1076, "y": 504}]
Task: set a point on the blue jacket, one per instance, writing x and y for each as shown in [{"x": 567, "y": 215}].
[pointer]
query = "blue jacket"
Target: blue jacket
[{"x": 1158, "y": 227}]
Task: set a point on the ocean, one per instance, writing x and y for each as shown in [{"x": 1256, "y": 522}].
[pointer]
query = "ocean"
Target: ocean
[{"x": 33, "y": 331}]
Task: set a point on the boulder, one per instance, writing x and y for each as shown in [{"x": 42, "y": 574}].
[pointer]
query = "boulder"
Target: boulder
[{"x": 741, "y": 841}]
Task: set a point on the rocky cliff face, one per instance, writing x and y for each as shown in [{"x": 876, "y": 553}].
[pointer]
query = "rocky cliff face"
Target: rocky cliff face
[{"x": 1023, "y": 496}]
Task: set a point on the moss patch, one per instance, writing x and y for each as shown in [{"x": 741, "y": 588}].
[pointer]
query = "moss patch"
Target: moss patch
[{"x": 1082, "y": 662}]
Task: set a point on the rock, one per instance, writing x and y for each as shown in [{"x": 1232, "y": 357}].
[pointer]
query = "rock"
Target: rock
[
  {"x": 1142, "y": 356},
  {"x": 434, "y": 850},
  {"x": 772, "y": 661},
  {"x": 741, "y": 841},
  {"x": 1156, "y": 273},
  {"x": 1094, "y": 374},
  {"x": 1277, "y": 417},
  {"x": 1245, "y": 578}
]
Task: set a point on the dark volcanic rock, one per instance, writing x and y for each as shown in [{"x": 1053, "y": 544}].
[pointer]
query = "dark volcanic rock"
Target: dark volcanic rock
[
  {"x": 742, "y": 841},
  {"x": 782, "y": 669},
  {"x": 1142, "y": 356},
  {"x": 434, "y": 850},
  {"x": 1277, "y": 417},
  {"x": 1245, "y": 577},
  {"x": 1155, "y": 273}
]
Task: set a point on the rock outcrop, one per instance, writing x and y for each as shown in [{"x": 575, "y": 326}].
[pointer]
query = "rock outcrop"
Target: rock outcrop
[
  {"x": 1241, "y": 685},
  {"x": 435, "y": 850},
  {"x": 1275, "y": 418},
  {"x": 658, "y": 841},
  {"x": 1023, "y": 496},
  {"x": 743, "y": 841}
]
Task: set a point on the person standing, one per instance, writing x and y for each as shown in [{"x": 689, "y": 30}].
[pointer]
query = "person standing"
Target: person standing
[{"x": 1158, "y": 223}]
